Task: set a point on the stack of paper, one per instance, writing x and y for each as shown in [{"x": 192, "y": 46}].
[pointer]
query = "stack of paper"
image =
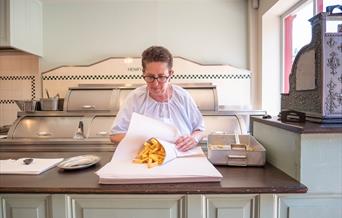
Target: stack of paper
[
  {"x": 37, "y": 166},
  {"x": 190, "y": 166}
]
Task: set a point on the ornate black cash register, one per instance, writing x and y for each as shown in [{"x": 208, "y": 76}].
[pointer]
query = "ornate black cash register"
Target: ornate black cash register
[{"x": 316, "y": 76}]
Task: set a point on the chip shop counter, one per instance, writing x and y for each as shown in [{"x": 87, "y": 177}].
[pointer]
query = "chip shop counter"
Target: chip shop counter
[
  {"x": 247, "y": 191},
  {"x": 240, "y": 180}
]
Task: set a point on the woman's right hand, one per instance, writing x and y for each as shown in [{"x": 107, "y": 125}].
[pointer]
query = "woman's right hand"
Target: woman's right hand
[{"x": 185, "y": 143}]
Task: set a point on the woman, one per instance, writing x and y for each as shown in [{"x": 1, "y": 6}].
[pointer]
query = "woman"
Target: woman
[{"x": 161, "y": 100}]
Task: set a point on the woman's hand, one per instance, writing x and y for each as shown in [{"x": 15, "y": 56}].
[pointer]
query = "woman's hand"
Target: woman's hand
[
  {"x": 116, "y": 138},
  {"x": 185, "y": 143}
]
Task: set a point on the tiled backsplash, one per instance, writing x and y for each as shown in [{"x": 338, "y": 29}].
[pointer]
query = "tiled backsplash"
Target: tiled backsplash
[
  {"x": 233, "y": 84},
  {"x": 14, "y": 87},
  {"x": 19, "y": 80},
  {"x": 17, "y": 87},
  {"x": 8, "y": 113}
]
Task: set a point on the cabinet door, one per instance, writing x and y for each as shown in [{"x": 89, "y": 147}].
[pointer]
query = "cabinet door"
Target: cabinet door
[
  {"x": 125, "y": 206},
  {"x": 34, "y": 41},
  {"x": 4, "y": 23},
  {"x": 21, "y": 25},
  {"x": 24, "y": 206},
  {"x": 313, "y": 206},
  {"x": 232, "y": 206}
]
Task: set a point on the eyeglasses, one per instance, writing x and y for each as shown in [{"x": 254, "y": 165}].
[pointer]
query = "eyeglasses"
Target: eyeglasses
[{"x": 160, "y": 79}]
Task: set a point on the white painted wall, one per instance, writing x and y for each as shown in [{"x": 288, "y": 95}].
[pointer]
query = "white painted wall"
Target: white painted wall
[
  {"x": 271, "y": 64},
  {"x": 206, "y": 31},
  {"x": 268, "y": 81}
]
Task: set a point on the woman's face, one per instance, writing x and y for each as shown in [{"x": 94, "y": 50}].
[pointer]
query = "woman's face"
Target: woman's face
[{"x": 157, "y": 77}]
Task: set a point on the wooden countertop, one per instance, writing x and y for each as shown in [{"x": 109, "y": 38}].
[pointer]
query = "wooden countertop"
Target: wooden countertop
[
  {"x": 242, "y": 180},
  {"x": 302, "y": 128}
]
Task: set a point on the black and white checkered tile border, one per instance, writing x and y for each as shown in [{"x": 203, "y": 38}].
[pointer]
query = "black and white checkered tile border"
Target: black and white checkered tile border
[
  {"x": 33, "y": 86},
  {"x": 17, "y": 77},
  {"x": 120, "y": 76},
  {"x": 6, "y": 101},
  {"x": 212, "y": 76},
  {"x": 91, "y": 77}
]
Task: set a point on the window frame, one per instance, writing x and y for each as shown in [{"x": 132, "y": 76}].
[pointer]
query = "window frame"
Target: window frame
[{"x": 287, "y": 13}]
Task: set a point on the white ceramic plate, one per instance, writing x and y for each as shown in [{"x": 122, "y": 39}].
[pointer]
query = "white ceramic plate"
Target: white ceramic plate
[{"x": 79, "y": 162}]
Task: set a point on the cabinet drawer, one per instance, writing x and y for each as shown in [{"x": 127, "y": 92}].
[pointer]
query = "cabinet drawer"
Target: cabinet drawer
[
  {"x": 232, "y": 206},
  {"x": 313, "y": 206},
  {"x": 125, "y": 206},
  {"x": 25, "y": 206}
]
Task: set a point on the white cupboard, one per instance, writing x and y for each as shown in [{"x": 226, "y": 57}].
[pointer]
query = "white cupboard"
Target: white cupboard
[
  {"x": 311, "y": 156},
  {"x": 21, "y": 25},
  {"x": 310, "y": 205},
  {"x": 127, "y": 206},
  {"x": 235, "y": 206},
  {"x": 28, "y": 206}
]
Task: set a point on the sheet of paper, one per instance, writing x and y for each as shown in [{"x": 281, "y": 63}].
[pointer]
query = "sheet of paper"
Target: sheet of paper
[
  {"x": 141, "y": 129},
  {"x": 190, "y": 166},
  {"x": 190, "y": 169},
  {"x": 171, "y": 147},
  {"x": 36, "y": 167},
  {"x": 145, "y": 127}
]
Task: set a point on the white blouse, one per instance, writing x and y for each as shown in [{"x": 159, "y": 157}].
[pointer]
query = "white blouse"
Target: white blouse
[{"x": 180, "y": 110}]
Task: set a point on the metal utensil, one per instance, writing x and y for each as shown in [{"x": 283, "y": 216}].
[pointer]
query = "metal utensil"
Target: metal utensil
[
  {"x": 26, "y": 105},
  {"x": 47, "y": 93},
  {"x": 79, "y": 134},
  {"x": 28, "y": 161}
]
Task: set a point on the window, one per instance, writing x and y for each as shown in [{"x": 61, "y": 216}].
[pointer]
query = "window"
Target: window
[{"x": 297, "y": 32}]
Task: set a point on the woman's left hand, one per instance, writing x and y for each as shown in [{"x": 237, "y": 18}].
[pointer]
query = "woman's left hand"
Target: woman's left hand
[{"x": 185, "y": 143}]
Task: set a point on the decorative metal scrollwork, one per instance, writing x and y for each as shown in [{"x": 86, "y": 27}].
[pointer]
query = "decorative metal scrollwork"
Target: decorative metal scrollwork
[
  {"x": 333, "y": 63},
  {"x": 331, "y": 42},
  {"x": 339, "y": 98},
  {"x": 340, "y": 47},
  {"x": 330, "y": 104}
]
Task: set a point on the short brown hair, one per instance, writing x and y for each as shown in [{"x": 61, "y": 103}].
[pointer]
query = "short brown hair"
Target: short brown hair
[{"x": 156, "y": 54}]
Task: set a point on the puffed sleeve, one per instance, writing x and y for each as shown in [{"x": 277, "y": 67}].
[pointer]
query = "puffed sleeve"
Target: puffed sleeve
[
  {"x": 195, "y": 115},
  {"x": 121, "y": 122}
]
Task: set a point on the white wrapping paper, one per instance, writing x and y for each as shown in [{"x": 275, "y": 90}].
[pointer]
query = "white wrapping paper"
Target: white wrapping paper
[{"x": 190, "y": 166}]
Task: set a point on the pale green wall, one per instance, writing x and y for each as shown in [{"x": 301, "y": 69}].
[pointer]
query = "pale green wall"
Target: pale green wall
[{"x": 206, "y": 31}]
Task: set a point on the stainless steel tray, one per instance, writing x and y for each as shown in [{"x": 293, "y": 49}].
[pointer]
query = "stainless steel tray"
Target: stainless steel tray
[{"x": 235, "y": 150}]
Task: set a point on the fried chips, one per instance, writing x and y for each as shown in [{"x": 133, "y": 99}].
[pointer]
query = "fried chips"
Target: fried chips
[{"x": 152, "y": 154}]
